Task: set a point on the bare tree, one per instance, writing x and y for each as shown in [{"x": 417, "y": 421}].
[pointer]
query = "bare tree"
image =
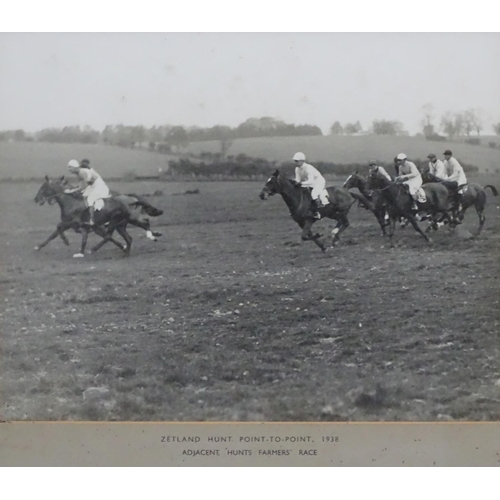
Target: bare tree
[
  {"x": 336, "y": 129},
  {"x": 496, "y": 128},
  {"x": 468, "y": 118}
]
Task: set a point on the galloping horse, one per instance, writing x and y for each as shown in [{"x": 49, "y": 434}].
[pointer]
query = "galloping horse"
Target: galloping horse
[
  {"x": 399, "y": 202},
  {"x": 299, "y": 201},
  {"x": 74, "y": 215},
  {"x": 378, "y": 207},
  {"x": 473, "y": 195}
]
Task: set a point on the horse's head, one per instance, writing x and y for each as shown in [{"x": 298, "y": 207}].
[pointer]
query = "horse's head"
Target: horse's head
[
  {"x": 49, "y": 189},
  {"x": 377, "y": 180},
  {"x": 353, "y": 181},
  {"x": 272, "y": 186}
]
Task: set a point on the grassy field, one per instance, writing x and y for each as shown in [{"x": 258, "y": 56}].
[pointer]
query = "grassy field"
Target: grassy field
[
  {"x": 35, "y": 159},
  {"x": 28, "y": 160},
  {"x": 230, "y": 317}
]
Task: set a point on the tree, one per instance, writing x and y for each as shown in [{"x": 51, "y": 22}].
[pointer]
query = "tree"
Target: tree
[
  {"x": 336, "y": 129},
  {"x": 353, "y": 128},
  {"x": 468, "y": 118},
  {"x": 178, "y": 137},
  {"x": 478, "y": 121},
  {"x": 496, "y": 128},
  {"x": 223, "y": 135},
  {"x": 387, "y": 127},
  {"x": 452, "y": 124},
  {"x": 19, "y": 135},
  {"x": 428, "y": 114}
]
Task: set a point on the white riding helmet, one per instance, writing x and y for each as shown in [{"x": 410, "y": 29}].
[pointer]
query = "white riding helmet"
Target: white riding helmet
[
  {"x": 401, "y": 156},
  {"x": 299, "y": 156},
  {"x": 73, "y": 164}
]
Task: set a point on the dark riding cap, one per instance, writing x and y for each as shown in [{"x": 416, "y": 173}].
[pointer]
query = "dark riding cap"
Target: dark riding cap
[
  {"x": 431, "y": 156},
  {"x": 85, "y": 163},
  {"x": 372, "y": 163},
  {"x": 448, "y": 152}
]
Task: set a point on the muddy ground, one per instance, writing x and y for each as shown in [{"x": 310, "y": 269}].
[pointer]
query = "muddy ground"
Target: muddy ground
[{"x": 231, "y": 317}]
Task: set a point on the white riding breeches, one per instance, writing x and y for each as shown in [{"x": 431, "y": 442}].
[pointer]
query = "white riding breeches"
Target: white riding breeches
[
  {"x": 96, "y": 191},
  {"x": 318, "y": 187}
]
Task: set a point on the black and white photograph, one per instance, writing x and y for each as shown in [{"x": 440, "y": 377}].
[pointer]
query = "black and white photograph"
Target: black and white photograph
[{"x": 250, "y": 227}]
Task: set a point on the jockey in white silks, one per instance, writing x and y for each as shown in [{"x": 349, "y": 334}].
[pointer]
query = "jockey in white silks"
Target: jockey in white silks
[
  {"x": 94, "y": 190},
  {"x": 436, "y": 167},
  {"x": 308, "y": 176},
  {"x": 455, "y": 173},
  {"x": 409, "y": 174}
]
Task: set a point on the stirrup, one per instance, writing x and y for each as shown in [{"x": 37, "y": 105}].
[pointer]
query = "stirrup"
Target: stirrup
[{"x": 317, "y": 215}]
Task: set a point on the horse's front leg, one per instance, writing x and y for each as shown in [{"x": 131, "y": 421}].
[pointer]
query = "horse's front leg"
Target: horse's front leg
[
  {"x": 85, "y": 235},
  {"x": 308, "y": 235},
  {"x": 58, "y": 232}
]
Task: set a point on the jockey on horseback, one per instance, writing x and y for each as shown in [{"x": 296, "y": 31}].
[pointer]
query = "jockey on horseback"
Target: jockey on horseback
[
  {"x": 92, "y": 187},
  {"x": 409, "y": 175},
  {"x": 373, "y": 167},
  {"x": 436, "y": 167},
  {"x": 308, "y": 176},
  {"x": 455, "y": 179}
]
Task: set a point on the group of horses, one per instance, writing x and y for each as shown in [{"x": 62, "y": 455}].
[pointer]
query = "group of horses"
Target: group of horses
[{"x": 388, "y": 200}]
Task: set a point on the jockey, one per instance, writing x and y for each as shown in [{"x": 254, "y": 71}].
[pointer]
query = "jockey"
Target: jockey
[
  {"x": 455, "y": 176},
  {"x": 308, "y": 176},
  {"x": 409, "y": 174},
  {"x": 92, "y": 187},
  {"x": 436, "y": 167},
  {"x": 373, "y": 167}
]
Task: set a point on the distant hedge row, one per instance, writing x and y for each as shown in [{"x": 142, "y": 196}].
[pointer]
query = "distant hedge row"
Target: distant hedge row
[{"x": 243, "y": 167}]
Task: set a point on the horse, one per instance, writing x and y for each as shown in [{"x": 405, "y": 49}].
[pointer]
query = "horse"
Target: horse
[
  {"x": 50, "y": 188},
  {"x": 299, "y": 201},
  {"x": 473, "y": 195},
  {"x": 379, "y": 208},
  {"x": 399, "y": 202},
  {"x": 74, "y": 215}
]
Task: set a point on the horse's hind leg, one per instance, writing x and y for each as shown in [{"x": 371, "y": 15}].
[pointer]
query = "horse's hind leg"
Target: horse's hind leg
[
  {"x": 307, "y": 234},
  {"x": 413, "y": 222},
  {"x": 482, "y": 219},
  {"x": 123, "y": 233},
  {"x": 341, "y": 226},
  {"x": 100, "y": 232}
]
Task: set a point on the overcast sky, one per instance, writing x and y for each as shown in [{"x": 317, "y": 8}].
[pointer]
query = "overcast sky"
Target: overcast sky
[{"x": 52, "y": 80}]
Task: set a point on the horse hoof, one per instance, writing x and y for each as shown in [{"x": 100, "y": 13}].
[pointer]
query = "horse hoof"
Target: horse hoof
[
  {"x": 124, "y": 248},
  {"x": 88, "y": 252},
  {"x": 36, "y": 248},
  {"x": 78, "y": 255}
]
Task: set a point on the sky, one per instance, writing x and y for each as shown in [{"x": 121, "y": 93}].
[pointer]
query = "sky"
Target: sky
[{"x": 205, "y": 79}]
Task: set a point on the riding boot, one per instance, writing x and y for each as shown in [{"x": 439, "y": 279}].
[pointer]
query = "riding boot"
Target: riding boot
[
  {"x": 315, "y": 206},
  {"x": 91, "y": 216}
]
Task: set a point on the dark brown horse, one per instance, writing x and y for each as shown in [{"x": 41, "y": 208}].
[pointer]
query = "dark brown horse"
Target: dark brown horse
[
  {"x": 399, "y": 202},
  {"x": 475, "y": 195},
  {"x": 75, "y": 204},
  {"x": 379, "y": 206},
  {"x": 114, "y": 216},
  {"x": 298, "y": 200}
]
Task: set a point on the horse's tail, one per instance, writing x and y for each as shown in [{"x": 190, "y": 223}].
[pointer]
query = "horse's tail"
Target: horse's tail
[
  {"x": 363, "y": 200},
  {"x": 147, "y": 207},
  {"x": 493, "y": 189}
]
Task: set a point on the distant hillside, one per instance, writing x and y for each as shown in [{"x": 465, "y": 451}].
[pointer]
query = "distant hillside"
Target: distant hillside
[
  {"x": 36, "y": 159},
  {"x": 353, "y": 149}
]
